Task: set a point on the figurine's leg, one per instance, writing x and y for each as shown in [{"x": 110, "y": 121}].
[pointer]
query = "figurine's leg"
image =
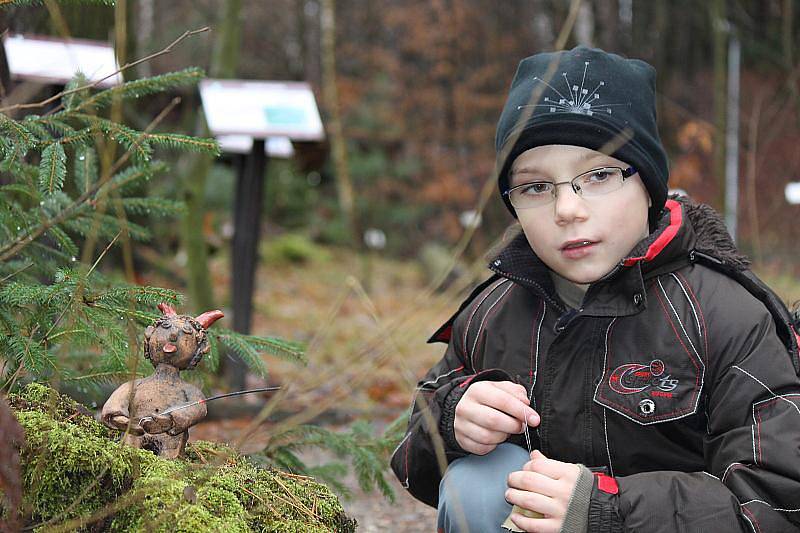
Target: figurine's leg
[
  {"x": 133, "y": 440},
  {"x": 173, "y": 447}
]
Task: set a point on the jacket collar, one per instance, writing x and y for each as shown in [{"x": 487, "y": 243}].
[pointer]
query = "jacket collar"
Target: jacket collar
[{"x": 682, "y": 228}]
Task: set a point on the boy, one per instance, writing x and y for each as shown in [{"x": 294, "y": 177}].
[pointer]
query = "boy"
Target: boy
[{"x": 623, "y": 370}]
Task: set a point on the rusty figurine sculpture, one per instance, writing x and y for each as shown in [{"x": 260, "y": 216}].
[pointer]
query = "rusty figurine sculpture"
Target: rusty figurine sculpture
[{"x": 173, "y": 343}]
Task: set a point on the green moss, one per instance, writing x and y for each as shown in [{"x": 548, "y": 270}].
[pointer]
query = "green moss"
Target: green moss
[
  {"x": 38, "y": 397},
  {"x": 77, "y": 478},
  {"x": 63, "y": 465}
]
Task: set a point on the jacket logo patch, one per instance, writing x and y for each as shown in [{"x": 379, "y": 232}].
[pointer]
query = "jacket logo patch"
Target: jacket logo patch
[{"x": 631, "y": 378}]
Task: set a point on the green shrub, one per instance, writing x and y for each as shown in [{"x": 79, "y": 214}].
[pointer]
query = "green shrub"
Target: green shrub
[{"x": 293, "y": 248}]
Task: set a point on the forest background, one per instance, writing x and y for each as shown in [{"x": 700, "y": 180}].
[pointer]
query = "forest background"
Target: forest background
[
  {"x": 410, "y": 92},
  {"x": 421, "y": 85}
]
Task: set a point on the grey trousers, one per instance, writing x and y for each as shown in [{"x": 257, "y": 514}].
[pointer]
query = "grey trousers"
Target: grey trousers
[{"x": 472, "y": 491}]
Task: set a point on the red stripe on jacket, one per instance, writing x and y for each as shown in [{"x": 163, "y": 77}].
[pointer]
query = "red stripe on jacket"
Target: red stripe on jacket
[{"x": 675, "y": 221}]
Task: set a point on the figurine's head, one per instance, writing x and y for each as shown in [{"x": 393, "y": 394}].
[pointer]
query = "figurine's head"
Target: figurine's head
[{"x": 178, "y": 340}]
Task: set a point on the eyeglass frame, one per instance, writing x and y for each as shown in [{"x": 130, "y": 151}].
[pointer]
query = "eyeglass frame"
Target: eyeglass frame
[{"x": 626, "y": 173}]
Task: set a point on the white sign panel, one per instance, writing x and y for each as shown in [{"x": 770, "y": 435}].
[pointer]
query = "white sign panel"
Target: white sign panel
[
  {"x": 280, "y": 147},
  {"x": 50, "y": 60},
  {"x": 793, "y": 192},
  {"x": 261, "y": 109}
]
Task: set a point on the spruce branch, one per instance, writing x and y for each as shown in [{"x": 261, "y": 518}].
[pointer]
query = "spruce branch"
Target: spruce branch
[
  {"x": 186, "y": 142},
  {"x": 85, "y": 167},
  {"x": 52, "y": 168},
  {"x": 139, "y": 88},
  {"x": 270, "y": 345},
  {"x": 12, "y": 248}
]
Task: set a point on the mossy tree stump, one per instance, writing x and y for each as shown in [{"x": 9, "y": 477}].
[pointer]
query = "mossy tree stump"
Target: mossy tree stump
[{"x": 77, "y": 477}]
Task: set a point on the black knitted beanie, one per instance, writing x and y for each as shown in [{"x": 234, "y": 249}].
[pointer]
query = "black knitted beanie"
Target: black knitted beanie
[{"x": 585, "y": 97}]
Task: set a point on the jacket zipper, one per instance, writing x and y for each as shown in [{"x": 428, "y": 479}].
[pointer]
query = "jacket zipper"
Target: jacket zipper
[{"x": 538, "y": 287}]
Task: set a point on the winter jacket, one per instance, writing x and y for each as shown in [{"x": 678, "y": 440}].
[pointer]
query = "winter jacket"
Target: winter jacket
[{"x": 678, "y": 376}]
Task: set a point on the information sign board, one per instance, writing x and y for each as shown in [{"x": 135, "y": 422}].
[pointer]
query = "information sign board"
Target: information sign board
[
  {"x": 261, "y": 109},
  {"x": 51, "y": 60}
]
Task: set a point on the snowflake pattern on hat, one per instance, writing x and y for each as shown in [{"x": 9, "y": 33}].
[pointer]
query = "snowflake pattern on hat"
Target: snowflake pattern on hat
[{"x": 580, "y": 100}]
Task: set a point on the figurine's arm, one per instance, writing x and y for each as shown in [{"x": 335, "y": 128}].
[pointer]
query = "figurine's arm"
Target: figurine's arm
[
  {"x": 115, "y": 411},
  {"x": 183, "y": 419},
  {"x": 156, "y": 423},
  {"x": 179, "y": 420}
]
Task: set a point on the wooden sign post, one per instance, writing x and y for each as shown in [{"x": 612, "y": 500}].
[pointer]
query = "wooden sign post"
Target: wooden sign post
[{"x": 256, "y": 110}]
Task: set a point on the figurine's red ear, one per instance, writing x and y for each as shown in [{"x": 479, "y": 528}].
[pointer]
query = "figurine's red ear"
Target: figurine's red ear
[
  {"x": 166, "y": 309},
  {"x": 209, "y": 317}
]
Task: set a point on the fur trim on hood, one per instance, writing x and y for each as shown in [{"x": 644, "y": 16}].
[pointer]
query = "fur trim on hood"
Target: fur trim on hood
[{"x": 712, "y": 236}]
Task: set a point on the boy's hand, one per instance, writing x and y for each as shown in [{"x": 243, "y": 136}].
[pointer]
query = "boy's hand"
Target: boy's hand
[
  {"x": 489, "y": 412},
  {"x": 545, "y": 486}
]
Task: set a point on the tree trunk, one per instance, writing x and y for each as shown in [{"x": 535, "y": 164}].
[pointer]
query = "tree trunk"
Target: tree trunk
[
  {"x": 607, "y": 24},
  {"x": 787, "y": 33},
  {"x": 718, "y": 25},
  {"x": 584, "y": 25},
  {"x": 224, "y": 61},
  {"x": 344, "y": 186}
]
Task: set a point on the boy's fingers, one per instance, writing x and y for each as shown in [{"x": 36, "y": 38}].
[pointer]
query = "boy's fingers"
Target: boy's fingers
[
  {"x": 549, "y": 467},
  {"x": 534, "y": 482},
  {"x": 499, "y": 398},
  {"x": 475, "y": 447},
  {"x": 515, "y": 389},
  {"x": 533, "y": 501},
  {"x": 482, "y": 434},
  {"x": 530, "y": 416},
  {"x": 537, "y": 525},
  {"x": 488, "y": 417}
]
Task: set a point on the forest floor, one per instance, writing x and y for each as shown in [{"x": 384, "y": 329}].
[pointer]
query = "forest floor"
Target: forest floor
[{"x": 365, "y": 322}]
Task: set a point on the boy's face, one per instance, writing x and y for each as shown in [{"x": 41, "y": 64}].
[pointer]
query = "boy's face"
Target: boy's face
[{"x": 581, "y": 239}]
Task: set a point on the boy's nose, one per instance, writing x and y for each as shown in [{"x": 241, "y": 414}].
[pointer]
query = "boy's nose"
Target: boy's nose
[{"x": 568, "y": 206}]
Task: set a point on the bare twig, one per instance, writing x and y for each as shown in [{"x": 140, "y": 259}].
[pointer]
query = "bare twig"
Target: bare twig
[
  {"x": 18, "y": 271},
  {"x": 103, "y": 253}
]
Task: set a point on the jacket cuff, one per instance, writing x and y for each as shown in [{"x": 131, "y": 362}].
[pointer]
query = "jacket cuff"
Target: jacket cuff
[
  {"x": 603, "y": 506},
  {"x": 447, "y": 420},
  {"x": 577, "y": 518}
]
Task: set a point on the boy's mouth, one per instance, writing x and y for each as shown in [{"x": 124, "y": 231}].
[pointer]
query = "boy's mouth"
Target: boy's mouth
[
  {"x": 577, "y": 249},
  {"x": 577, "y": 243}
]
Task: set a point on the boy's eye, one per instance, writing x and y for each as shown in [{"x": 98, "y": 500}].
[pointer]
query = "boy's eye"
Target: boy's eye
[
  {"x": 536, "y": 189},
  {"x": 598, "y": 176}
]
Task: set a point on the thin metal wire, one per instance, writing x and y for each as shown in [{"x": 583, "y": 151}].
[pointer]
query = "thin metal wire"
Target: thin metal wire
[{"x": 211, "y": 399}]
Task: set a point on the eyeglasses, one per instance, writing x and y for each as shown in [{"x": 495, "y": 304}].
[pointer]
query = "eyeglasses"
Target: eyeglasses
[{"x": 595, "y": 182}]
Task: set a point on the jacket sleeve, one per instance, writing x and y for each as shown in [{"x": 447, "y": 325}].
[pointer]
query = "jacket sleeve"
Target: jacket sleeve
[
  {"x": 752, "y": 448},
  {"x": 429, "y": 444}
]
